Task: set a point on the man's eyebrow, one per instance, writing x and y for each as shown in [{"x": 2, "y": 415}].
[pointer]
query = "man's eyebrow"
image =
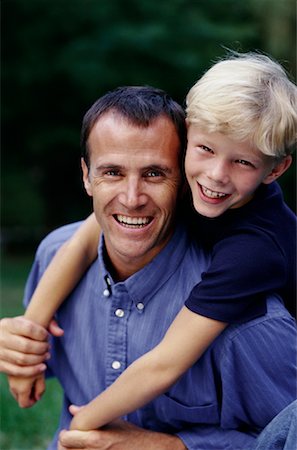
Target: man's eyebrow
[
  {"x": 158, "y": 167},
  {"x": 108, "y": 166}
]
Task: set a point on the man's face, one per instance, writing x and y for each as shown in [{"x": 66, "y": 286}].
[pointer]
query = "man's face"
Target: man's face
[{"x": 134, "y": 179}]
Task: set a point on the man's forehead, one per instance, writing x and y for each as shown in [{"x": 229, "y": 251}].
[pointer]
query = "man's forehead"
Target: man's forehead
[{"x": 113, "y": 117}]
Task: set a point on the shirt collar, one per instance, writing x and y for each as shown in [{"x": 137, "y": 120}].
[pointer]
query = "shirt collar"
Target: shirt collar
[{"x": 143, "y": 284}]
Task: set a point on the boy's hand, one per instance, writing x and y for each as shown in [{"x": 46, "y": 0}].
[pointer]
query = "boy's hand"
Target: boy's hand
[
  {"x": 74, "y": 410},
  {"x": 27, "y": 391}
]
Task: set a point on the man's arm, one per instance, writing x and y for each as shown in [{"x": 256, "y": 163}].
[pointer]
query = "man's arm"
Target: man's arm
[{"x": 119, "y": 435}]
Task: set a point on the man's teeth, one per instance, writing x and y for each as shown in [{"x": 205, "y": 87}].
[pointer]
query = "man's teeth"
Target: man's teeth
[
  {"x": 212, "y": 194},
  {"x": 132, "y": 221}
]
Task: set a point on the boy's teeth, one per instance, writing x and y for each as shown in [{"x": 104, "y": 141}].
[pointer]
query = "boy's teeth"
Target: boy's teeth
[
  {"x": 139, "y": 221},
  {"x": 212, "y": 194}
]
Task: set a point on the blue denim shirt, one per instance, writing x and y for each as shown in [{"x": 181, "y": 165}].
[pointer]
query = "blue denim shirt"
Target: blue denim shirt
[{"x": 245, "y": 378}]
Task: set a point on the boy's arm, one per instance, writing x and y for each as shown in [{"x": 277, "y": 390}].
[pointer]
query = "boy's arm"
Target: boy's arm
[
  {"x": 59, "y": 279},
  {"x": 64, "y": 271},
  {"x": 185, "y": 341}
]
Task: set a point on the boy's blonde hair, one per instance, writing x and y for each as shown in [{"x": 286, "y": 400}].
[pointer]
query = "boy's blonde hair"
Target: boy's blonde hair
[{"x": 247, "y": 97}]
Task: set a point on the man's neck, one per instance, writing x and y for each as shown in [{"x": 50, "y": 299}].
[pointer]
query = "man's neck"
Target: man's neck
[{"x": 122, "y": 268}]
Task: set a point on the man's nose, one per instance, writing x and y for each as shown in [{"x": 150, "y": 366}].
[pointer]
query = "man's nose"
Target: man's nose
[{"x": 133, "y": 195}]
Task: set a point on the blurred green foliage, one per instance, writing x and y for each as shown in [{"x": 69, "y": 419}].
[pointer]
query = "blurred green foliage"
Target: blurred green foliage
[
  {"x": 59, "y": 56},
  {"x": 33, "y": 428}
]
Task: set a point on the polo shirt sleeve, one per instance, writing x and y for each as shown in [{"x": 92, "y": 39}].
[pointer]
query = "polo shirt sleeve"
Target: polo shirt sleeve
[
  {"x": 245, "y": 267},
  {"x": 257, "y": 368}
]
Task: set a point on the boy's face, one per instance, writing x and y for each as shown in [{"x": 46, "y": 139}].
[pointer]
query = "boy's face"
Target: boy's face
[{"x": 223, "y": 173}]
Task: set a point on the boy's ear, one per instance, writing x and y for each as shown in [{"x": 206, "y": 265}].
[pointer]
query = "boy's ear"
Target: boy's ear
[
  {"x": 86, "y": 179},
  {"x": 278, "y": 170}
]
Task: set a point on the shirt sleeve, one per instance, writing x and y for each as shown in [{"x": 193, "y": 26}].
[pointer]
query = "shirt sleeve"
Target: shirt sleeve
[
  {"x": 245, "y": 267},
  {"x": 257, "y": 364},
  {"x": 214, "y": 438},
  {"x": 258, "y": 370}
]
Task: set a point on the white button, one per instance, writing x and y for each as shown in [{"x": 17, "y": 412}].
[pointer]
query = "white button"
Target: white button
[
  {"x": 116, "y": 365},
  {"x": 120, "y": 313},
  {"x": 140, "y": 306},
  {"x": 106, "y": 293}
]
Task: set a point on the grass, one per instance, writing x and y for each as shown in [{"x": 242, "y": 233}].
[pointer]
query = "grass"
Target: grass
[{"x": 23, "y": 429}]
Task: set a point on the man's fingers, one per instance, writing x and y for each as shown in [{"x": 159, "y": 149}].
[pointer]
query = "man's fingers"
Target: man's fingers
[
  {"x": 72, "y": 439},
  {"x": 23, "y": 359},
  {"x": 21, "y": 326},
  {"x": 21, "y": 371},
  {"x": 24, "y": 345}
]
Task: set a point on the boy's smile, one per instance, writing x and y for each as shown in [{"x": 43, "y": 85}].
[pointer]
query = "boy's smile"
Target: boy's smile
[
  {"x": 223, "y": 173},
  {"x": 209, "y": 194}
]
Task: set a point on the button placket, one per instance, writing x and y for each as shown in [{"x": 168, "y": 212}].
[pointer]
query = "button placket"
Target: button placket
[{"x": 117, "y": 333}]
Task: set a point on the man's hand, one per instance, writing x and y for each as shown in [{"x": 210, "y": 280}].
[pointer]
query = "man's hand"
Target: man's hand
[
  {"x": 119, "y": 435},
  {"x": 27, "y": 391},
  {"x": 24, "y": 346}
]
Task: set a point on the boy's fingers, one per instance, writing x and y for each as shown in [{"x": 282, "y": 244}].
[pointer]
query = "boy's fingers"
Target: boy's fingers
[
  {"x": 39, "y": 388},
  {"x": 73, "y": 409},
  {"x": 23, "y": 398},
  {"x": 55, "y": 329},
  {"x": 26, "y": 391}
]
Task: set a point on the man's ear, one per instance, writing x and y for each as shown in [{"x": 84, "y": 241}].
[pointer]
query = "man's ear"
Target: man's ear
[
  {"x": 278, "y": 170},
  {"x": 86, "y": 179}
]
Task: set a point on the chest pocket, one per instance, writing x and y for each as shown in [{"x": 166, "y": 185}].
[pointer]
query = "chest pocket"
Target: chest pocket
[{"x": 177, "y": 415}]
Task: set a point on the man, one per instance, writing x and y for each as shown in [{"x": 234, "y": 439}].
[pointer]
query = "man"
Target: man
[{"x": 146, "y": 267}]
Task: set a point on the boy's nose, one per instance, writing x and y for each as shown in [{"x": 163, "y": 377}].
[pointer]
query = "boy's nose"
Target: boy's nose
[{"x": 219, "y": 172}]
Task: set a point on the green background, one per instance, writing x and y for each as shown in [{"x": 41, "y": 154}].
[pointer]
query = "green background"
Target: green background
[{"x": 58, "y": 57}]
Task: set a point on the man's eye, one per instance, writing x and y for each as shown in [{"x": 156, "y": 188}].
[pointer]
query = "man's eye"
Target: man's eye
[
  {"x": 153, "y": 174},
  {"x": 112, "y": 173}
]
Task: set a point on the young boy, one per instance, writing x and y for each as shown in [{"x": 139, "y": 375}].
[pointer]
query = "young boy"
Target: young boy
[{"x": 242, "y": 122}]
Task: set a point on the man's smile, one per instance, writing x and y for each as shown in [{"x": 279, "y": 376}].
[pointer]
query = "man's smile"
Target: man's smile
[{"x": 132, "y": 222}]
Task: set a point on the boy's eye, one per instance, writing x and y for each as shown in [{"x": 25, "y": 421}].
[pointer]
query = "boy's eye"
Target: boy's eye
[
  {"x": 243, "y": 162},
  {"x": 205, "y": 148}
]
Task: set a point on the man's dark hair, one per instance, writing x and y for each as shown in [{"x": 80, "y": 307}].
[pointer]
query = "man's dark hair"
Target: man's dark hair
[{"x": 139, "y": 105}]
